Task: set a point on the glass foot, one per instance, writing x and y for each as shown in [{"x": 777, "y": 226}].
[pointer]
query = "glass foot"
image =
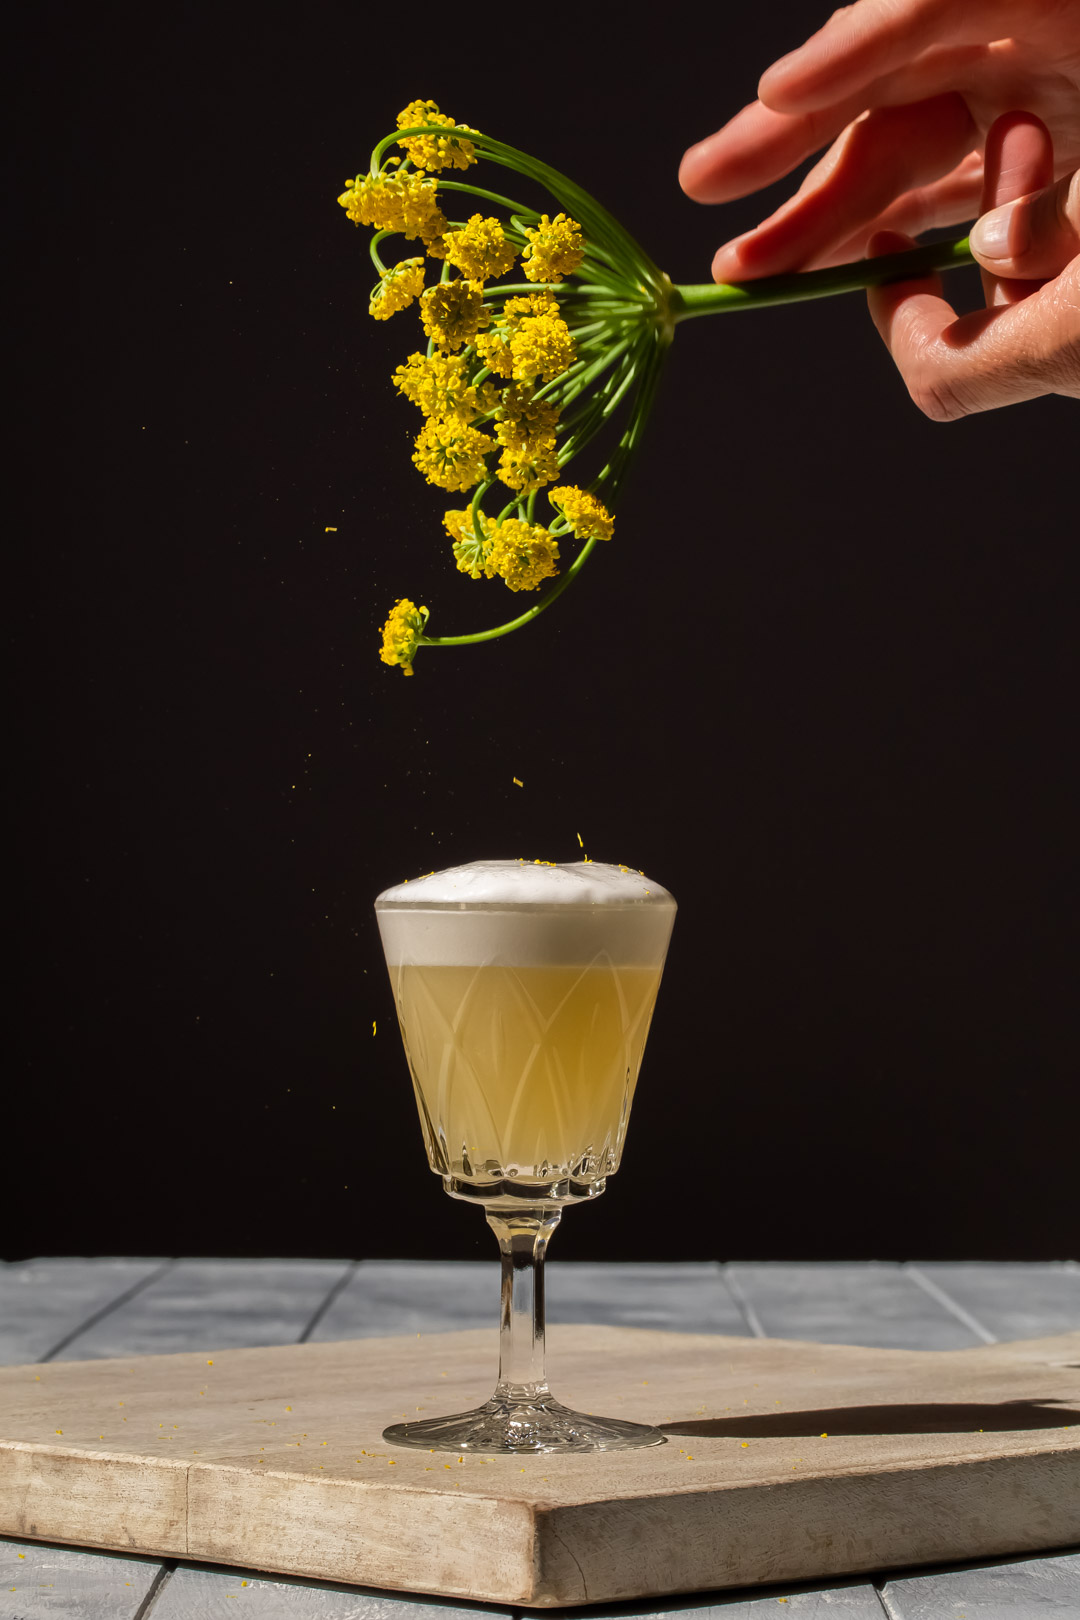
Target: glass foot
[{"x": 516, "y": 1426}]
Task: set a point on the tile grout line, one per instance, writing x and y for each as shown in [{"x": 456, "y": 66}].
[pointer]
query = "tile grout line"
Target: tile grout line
[
  {"x": 930, "y": 1287},
  {"x": 882, "y": 1597},
  {"x": 161, "y": 1579},
  {"x": 346, "y": 1277},
  {"x": 113, "y": 1304},
  {"x": 742, "y": 1304}
]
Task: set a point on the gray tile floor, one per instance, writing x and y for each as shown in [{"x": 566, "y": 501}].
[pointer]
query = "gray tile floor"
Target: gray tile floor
[{"x": 81, "y": 1309}]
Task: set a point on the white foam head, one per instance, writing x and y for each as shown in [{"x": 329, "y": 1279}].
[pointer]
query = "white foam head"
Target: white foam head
[{"x": 526, "y": 913}]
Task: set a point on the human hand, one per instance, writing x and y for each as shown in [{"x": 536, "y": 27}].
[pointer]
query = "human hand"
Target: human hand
[{"x": 906, "y": 93}]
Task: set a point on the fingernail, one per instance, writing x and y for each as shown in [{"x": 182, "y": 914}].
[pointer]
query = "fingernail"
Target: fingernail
[
  {"x": 990, "y": 234},
  {"x": 726, "y": 264}
]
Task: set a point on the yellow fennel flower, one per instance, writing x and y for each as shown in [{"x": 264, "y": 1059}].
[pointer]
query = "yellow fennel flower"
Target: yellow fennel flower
[
  {"x": 420, "y": 208},
  {"x": 529, "y": 466},
  {"x": 435, "y": 152},
  {"x": 471, "y": 554},
  {"x": 397, "y": 288},
  {"x": 494, "y": 350},
  {"x": 401, "y": 633},
  {"x": 524, "y": 420},
  {"x": 453, "y": 312},
  {"x": 358, "y": 200},
  {"x": 439, "y": 385},
  {"x": 451, "y": 454},
  {"x": 587, "y": 517},
  {"x": 480, "y": 250},
  {"x": 407, "y": 203},
  {"x": 515, "y": 310},
  {"x": 523, "y": 555},
  {"x": 556, "y": 248},
  {"x": 540, "y": 341}
]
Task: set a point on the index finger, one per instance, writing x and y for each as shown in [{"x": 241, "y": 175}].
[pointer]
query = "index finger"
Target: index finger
[
  {"x": 759, "y": 145},
  {"x": 755, "y": 148},
  {"x": 865, "y": 41}
]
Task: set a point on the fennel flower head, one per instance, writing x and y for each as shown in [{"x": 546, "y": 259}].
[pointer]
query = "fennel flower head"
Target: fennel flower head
[{"x": 540, "y": 331}]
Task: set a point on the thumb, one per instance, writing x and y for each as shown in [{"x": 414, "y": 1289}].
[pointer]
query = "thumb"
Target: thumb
[{"x": 1034, "y": 237}]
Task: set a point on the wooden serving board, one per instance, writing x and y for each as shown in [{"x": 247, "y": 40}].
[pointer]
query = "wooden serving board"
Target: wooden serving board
[{"x": 784, "y": 1461}]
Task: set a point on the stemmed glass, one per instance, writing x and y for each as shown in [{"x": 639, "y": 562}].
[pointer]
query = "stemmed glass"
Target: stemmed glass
[{"x": 524, "y": 993}]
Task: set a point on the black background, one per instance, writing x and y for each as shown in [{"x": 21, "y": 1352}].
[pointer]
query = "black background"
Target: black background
[{"x": 822, "y": 684}]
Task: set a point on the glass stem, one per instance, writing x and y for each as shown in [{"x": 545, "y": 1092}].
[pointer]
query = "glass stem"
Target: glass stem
[{"x": 523, "y": 1239}]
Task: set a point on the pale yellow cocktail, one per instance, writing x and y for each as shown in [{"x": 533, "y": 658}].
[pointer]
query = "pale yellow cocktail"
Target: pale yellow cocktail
[
  {"x": 524, "y": 1019},
  {"x": 525, "y": 1071}
]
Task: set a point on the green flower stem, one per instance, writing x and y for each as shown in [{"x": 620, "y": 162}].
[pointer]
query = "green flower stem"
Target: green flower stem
[
  {"x": 595, "y": 413},
  {"x": 523, "y": 618},
  {"x": 585, "y": 377},
  {"x": 609, "y": 311},
  {"x": 686, "y": 302},
  {"x": 590, "y": 330},
  {"x": 373, "y": 249},
  {"x": 598, "y": 289},
  {"x": 613, "y": 402},
  {"x": 517, "y": 288},
  {"x": 620, "y": 378},
  {"x": 593, "y": 270},
  {"x": 619, "y": 464},
  {"x": 488, "y": 196},
  {"x": 474, "y": 509}
]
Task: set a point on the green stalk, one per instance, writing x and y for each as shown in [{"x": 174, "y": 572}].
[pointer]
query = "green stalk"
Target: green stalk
[
  {"x": 712, "y": 299},
  {"x": 601, "y": 404},
  {"x": 624, "y": 370},
  {"x": 523, "y": 618},
  {"x": 584, "y": 378},
  {"x": 373, "y": 249},
  {"x": 619, "y": 464},
  {"x": 488, "y": 196}
]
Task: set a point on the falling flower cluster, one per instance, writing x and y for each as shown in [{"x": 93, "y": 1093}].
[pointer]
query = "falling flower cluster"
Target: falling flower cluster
[{"x": 537, "y": 328}]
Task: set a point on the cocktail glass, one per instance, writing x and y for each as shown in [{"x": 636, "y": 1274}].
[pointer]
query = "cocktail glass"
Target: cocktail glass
[{"x": 524, "y": 993}]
